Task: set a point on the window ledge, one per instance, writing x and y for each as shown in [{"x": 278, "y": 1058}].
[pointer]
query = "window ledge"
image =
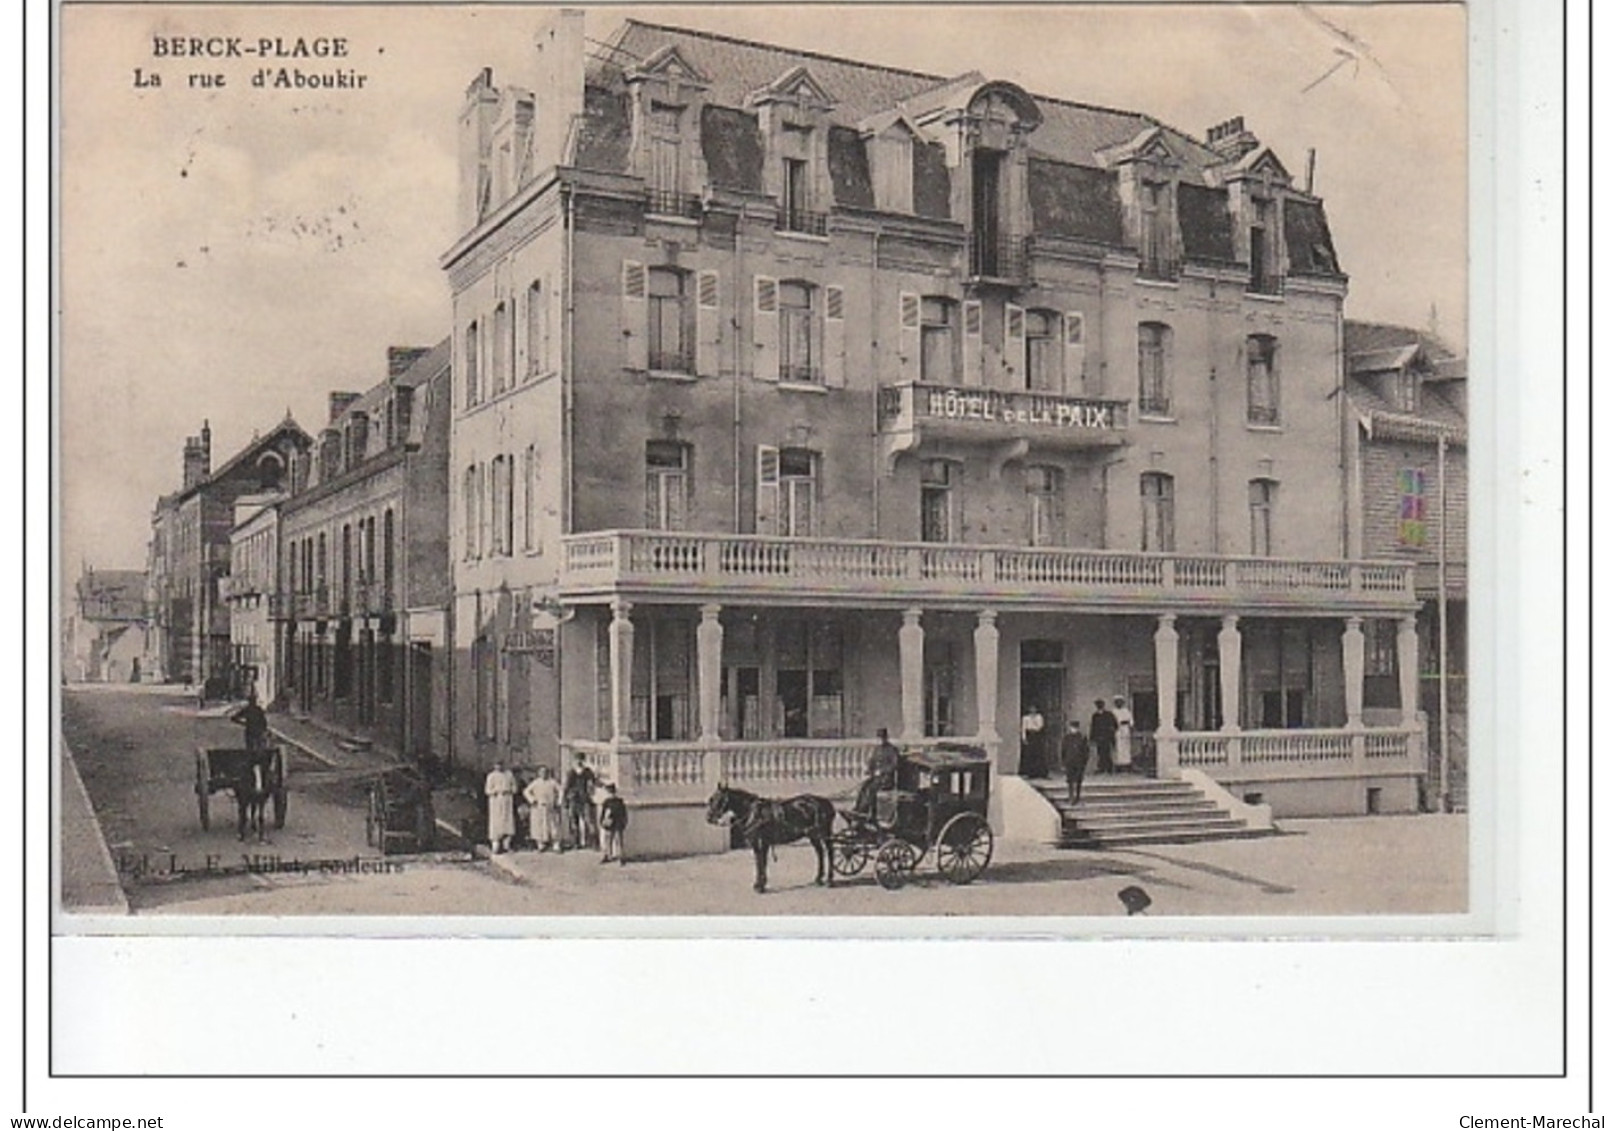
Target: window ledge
[
  {"x": 1153, "y": 418},
  {"x": 806, "y": 237},
  {"x": 1264, "y": 296},
  {"x": 1252, "y": 426},
  {"x": 1157, "y": 284},
  {"x": 671, "y": 375},
  {"x": 672, "y": 219},
  {"x": 802, "y": 387}
]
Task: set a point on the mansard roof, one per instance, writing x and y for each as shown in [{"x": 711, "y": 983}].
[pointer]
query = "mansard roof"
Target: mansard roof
[{"x": 1072, "y": 132}]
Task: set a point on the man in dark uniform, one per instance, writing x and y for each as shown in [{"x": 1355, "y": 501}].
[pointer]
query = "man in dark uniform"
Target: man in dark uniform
[
  {"x": 1073, "y": 760},
  {"x": 1102, "y": 733},
  {"x": 252, "y": 717},
  {"x": 881, "y": 774}
]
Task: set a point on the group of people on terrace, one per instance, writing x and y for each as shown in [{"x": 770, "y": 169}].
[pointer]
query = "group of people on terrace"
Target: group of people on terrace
[{"x": 1108, "y": 743}]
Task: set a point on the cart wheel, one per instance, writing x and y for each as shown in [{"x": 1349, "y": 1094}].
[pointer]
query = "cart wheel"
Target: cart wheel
[
  {"x": 963, "y": 848},
  {"x": 848, "y": 857},
  {"x": 893, "y": 863},
  {"x": 201, "y": 807},
  {"x": 280, "y": 808},
  {"x": 372, "y": 823}
]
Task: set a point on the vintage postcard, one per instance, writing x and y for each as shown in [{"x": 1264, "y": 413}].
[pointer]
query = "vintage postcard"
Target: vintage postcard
[{"x": 683, "y": 463}]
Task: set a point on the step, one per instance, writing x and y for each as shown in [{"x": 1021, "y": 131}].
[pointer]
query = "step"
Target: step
[
  {"x": 1156, "y": 828},
  {"x": 1132, "y": 816},
  {"x": 1122, "y": 840},
  {"x": 1162, "y": 803}
]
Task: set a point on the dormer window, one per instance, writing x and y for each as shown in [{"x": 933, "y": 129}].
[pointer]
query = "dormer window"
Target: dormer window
[
  {"x": 1157, "y": 258},
  {"x": 1264, "y": 277},
  {"x": 793, "y": 117},
  {"x": 665, "y": 179}
]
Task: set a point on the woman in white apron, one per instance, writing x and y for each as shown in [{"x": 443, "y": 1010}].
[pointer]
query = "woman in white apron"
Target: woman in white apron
[{"x": 1124, "y": 735}]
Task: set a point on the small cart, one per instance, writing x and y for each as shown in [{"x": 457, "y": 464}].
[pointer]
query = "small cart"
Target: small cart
[
  {"x": 222, "y": 767},
  {"x": 939, "y": 807},
  {"x": 400, "y": 816}
]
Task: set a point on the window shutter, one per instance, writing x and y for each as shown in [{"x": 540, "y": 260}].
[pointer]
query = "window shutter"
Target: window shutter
[
  {"x": 765, "y": 328},
  {"x": 1015, "y": 344},
  {"x": 972, "y": 343},
  {"x": 634, "y": 315},
  {"x": 708, "y": 335},
  {"x": 1076, "y": 351},
  {"x": 835, "y": 338},
  {"x": 767, "y": 489},
  {"x": 908, "y": 335}
]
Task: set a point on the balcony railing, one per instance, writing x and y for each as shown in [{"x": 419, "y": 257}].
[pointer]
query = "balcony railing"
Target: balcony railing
[
  {"x": 661, "y": 202},
  {"x": 995, "y": 415},
  {"x": 672, "y": 361},
  {"x": 1254, "y": 755},
  {"x": 803, "y": 221},
  {"x": 861, "y": 571},
  {"x": 998, "y": 257},
  {"x": 801, "y": 374}
]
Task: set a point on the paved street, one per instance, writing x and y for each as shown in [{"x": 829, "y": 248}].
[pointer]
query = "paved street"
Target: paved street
[{"x": 134, "y": 752}]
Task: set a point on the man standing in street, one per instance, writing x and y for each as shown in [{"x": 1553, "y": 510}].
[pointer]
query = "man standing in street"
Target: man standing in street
[
  {"x": 577, "y": 796},
  {"x": 1102, "y": 733},
  {"x": 1073, "y": 760},
  {"x": 252, "y": 717}
]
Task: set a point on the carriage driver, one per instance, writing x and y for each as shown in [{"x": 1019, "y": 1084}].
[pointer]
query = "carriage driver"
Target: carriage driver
[
  {"x": 882, "y": 774},
  {"x": 252, "y": 717}
]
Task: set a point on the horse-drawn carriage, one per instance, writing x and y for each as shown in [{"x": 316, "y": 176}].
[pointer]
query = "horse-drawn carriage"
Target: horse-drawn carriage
[
  {"x": 400, "y": 816},
  {"x": 938, "y": 808},
  {"x": 253, "y": 776}
]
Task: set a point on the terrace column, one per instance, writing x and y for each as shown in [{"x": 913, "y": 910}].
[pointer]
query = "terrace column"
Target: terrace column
[
  {"x": 987, "y": 677},
  {"x": 709, "y": 671},
  {"x": 1166, "y": 694},
  {"x": 621, "y": 645},
  {"x": 1229, "y": 645},
  {"x": 1407, "y": 669},
  {"x": 1351, "y": 648},
  {"x": 911, "y": 665}
]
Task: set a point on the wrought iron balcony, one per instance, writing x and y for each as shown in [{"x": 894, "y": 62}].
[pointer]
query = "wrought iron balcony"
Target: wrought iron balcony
[
  {"x": 998, "y": 257},
  {"x": 661, "y": 202},
  {"x": 803, "y": 221}
]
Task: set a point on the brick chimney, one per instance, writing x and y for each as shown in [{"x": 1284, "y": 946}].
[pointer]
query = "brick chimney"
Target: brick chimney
[
  {"x": 400, "y": 358},
  {"x": 197, "y": 464},
  {"x": 1231, "y": 140},
  {"x": 339, "y": 403}
]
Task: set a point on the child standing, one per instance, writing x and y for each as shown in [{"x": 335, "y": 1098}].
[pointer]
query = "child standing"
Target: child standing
[{"x": 613, "y": 820}]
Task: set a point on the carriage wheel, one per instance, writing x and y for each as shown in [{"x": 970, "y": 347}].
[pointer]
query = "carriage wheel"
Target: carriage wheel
[
  {"x": 963, "y": 848},
  {"x": 894, "y": 861},
  {"x": 372, "y": 821},
  {"x": 280, "y": 808},
  {"x": 201, "y": 807},
  {"x": 201, "y": 787},
  {"x": 848, "y": 857}
]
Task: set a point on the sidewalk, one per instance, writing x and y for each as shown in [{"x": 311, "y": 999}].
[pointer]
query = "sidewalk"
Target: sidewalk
[{"x": 89, "y": 879}]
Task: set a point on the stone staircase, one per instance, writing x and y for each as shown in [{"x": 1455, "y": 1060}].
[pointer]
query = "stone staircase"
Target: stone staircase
[{"x": 1122, "y": 810}]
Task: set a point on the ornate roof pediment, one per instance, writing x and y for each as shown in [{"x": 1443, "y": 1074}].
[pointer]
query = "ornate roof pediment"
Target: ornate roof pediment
[
  {"x": 1260, "y": 164},
  {"x": 796, "y": 86},
  {"x": 669, "y": 65},
  {"x": 1149, "y": 146}
]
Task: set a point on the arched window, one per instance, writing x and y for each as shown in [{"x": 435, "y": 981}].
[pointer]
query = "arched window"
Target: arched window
[
  {"x": 468, "y": 508},
  {"x": 469, "y": 361},
  {"x": 1155, "y": 491},
  {"x": 670, "y": 333},
  {"x": 501, "y": 348},
  {"x": 1263, "y": 495},
  {"x": 388, "y": 552},
  {"x": 667, "y": 484},
  {"x": 1154, "y": 369},
  {"x": 939, "y": 320},
  {"x": 538, "y": 330},
  {"x": 1262, "y": 379},
  {"x": 1043, "y": 347},
  {"x": 798, "y": 359}
]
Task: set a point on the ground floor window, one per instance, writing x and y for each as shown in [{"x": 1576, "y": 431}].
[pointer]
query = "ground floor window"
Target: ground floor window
[
  {"x": 808, "y": 691},
  {"x": 941, "y": 681},
  {"x": 1278, "y": 659},
  {"x": 663, "y": 681}
]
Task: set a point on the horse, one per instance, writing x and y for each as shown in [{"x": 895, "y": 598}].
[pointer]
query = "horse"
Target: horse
[
  {"x": 765, "y": 822},
  {"x": 252, "y": 791}
]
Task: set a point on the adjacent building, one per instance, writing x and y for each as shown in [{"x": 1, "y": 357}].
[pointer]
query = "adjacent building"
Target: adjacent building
[
  {"x": 104, "y": 635},
  {"x": 250, "y": 592},
  {"x": 189, "y": 553},
  {"x": 363, "y": 570},
  {"x": 796, "y": 396},
  {"x": 1409, "y": 458}
]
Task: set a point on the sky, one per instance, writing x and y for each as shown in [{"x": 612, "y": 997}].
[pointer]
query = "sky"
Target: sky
[{"x": 234, "y": 254}]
